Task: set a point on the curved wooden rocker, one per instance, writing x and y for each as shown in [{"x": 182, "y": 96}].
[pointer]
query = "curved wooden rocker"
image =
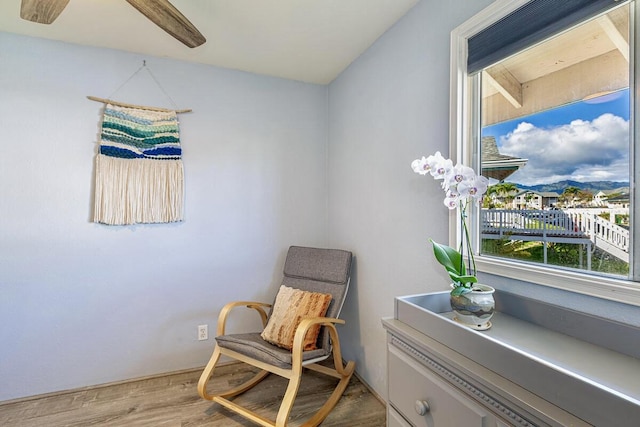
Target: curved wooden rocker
[{"x": 308, "y": 269}]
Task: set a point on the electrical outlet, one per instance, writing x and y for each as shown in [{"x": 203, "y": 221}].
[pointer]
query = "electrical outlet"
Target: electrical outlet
[{"x": 203, "y": 332}]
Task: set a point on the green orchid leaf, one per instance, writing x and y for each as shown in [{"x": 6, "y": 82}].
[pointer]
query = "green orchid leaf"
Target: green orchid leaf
[
  {"x": 455, "y": 277},
  {"x": 450, "y": 259},
  {"x": 464, "y": 279}
]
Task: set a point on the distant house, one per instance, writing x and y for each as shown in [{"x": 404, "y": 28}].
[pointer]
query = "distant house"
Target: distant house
[
  {"x": 618, "y": 200},
  {"x": 528, "y": 199},
  {"x": 613, "y": 199},
  {"x": 599, "y": 199},
  {"x": 495, "y": 165}
]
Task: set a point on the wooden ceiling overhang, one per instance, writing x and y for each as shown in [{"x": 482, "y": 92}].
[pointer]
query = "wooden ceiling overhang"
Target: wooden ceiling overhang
[{"x": 587, "y": 61}]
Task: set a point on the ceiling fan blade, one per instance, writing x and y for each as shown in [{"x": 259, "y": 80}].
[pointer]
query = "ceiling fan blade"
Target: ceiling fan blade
[
  {"x": 166, "y": 16},
  {"x": 41, "y": 11}
]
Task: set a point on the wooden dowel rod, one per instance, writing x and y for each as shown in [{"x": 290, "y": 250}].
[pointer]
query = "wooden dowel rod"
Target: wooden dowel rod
[{"x": 141, "y": 107}]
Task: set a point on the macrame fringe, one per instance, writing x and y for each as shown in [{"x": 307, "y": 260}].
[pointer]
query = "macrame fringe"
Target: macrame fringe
[{"x": 138, "y": 191}]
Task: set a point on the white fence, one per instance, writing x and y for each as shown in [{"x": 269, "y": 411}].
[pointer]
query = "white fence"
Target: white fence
[{"x": 558, "y": 225}]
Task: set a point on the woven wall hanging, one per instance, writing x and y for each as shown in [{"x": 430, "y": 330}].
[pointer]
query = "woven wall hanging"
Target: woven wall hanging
[{"x": 139, "y": 173}]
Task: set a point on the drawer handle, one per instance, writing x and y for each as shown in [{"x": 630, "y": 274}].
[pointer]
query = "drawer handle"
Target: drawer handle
[{"x": 422, "y": 407}]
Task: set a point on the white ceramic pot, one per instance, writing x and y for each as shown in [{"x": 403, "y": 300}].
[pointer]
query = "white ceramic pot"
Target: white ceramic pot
[{"x": 474, "y": 309}]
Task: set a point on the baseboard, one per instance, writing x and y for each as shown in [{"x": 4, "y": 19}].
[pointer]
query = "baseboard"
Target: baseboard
[
  {"x": 109, "y": 384},
  {"x": 150, "y": 377},
  {"x": 371, "y": 390}
]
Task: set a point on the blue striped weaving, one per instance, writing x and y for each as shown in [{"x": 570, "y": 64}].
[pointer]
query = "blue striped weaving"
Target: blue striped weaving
[{"x": 132, "y": 133}]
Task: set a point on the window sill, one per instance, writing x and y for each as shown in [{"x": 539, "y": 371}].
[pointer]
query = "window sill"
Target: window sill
[{"x": 596, "y": 286}]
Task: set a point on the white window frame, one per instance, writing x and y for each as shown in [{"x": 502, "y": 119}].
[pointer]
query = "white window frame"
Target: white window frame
[{"x": 461, "y": 135}]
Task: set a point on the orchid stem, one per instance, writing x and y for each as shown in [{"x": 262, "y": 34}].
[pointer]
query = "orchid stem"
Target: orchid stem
[{"x": 466, "y": 241}]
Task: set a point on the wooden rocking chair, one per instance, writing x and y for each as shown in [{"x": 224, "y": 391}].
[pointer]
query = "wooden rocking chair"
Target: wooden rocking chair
[{"x": 308, "y": 273}]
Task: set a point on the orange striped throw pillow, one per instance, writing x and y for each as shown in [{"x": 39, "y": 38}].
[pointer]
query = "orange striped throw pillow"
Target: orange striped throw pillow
[{"x": 291, "y": 306}]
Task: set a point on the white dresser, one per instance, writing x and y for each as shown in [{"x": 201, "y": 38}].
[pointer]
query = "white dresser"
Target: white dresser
[
  {"x": 522, "y": 374},
  {"x": 431, "y": 385}
]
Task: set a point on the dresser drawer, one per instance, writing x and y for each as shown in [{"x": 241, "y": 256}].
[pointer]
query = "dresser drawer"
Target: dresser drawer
[{"x": 426, "y": 400}]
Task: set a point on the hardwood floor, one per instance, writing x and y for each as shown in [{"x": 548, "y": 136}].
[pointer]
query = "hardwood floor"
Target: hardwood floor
[{"x": 172, "y": 401}]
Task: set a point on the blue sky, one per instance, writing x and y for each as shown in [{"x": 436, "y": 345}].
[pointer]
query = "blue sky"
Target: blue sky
[{"x": 583, "y": 141}]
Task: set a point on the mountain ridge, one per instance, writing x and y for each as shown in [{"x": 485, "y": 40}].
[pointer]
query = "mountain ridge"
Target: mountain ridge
[{"x": 560, "y": 186}]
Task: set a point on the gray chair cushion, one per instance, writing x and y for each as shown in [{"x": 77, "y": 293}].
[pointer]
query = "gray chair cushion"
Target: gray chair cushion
[{"x": 254, "y": 346}]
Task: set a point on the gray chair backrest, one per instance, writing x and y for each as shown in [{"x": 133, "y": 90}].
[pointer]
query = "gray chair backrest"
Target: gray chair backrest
[{"x": 320, "y": 270}]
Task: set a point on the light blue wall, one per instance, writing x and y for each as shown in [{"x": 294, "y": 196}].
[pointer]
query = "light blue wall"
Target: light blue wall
[
  {"x": 388, "y": 108},
  {"x": 268, "y": 163},
  {"x": 82, "y": 303}
]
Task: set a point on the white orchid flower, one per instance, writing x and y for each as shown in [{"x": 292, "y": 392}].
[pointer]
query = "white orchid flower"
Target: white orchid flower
[
  {"x": 459, "y": 182},
  {"x": 436, "y": 165},
  {"x": 439, "y": 167},
  {"x": 452, "y": 178},
  {"x": 460, "y": 173},
  {"x": 451, "y": 200},
  {"x": 420, "y": 166},
  {"x": 474, "y": 188}
]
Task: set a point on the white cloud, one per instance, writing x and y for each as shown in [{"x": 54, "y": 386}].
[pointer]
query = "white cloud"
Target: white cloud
[{"x": 581, "y": 151}]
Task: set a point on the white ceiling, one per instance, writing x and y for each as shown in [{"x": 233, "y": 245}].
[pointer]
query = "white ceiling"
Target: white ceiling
[{"x": 307, "y": 40}]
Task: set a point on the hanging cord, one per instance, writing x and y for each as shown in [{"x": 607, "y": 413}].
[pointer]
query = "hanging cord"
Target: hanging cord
[
  {"x": 122, "y": 104},
  {"x": 144, "y": 66}
]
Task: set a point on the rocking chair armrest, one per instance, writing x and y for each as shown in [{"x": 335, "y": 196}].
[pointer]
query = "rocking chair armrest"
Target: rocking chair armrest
[
  {"x": 301, "y": 331},
  {"x": 224, "y": 313}
]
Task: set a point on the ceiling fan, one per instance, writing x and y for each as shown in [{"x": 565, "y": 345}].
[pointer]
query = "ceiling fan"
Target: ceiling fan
[{"x": 160, "y": 12}]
